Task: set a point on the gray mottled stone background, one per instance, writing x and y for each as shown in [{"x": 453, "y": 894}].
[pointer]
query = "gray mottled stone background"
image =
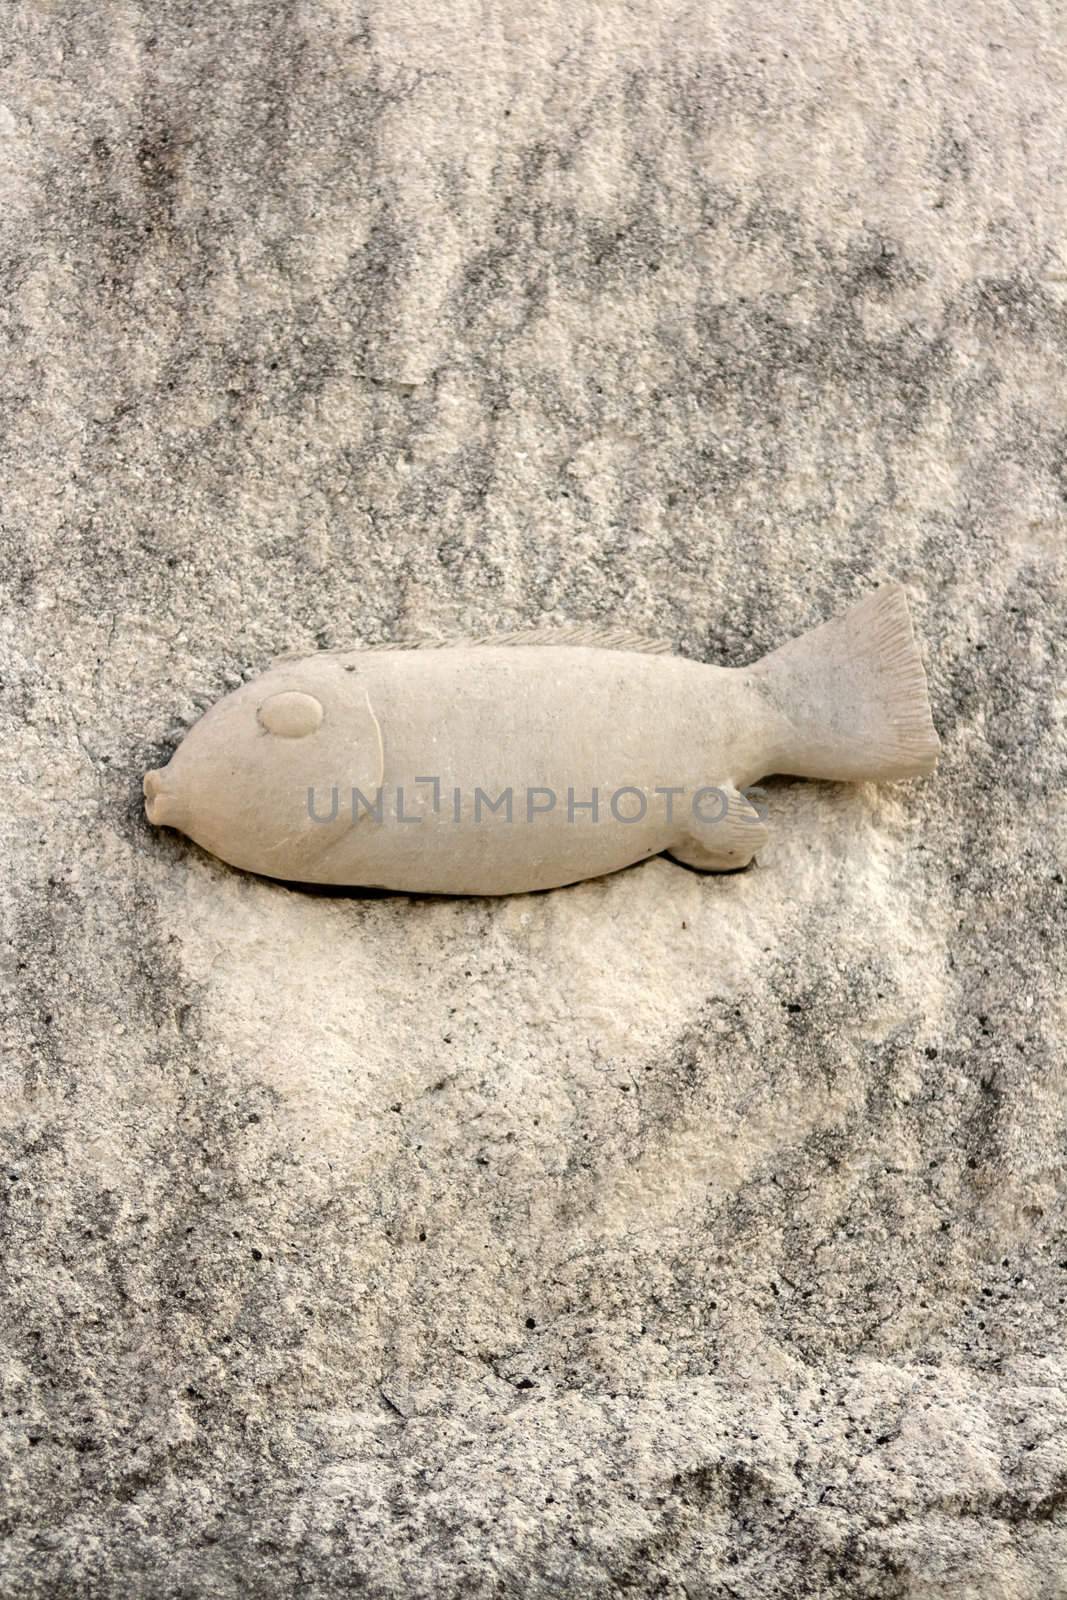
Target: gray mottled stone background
[{"x": 666, "y": 1236}]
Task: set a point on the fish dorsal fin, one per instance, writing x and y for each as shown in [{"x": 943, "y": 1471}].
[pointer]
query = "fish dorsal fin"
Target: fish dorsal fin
[
  {"x": 574, "y": 633},
  {"x": 592, "y": 635}
]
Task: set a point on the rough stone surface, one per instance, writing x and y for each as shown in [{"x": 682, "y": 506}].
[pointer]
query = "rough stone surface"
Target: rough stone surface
[{"x": 667, "y": 1236}]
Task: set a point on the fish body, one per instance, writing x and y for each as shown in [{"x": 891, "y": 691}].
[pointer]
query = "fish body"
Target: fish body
[{"x": 499, "y": 768}]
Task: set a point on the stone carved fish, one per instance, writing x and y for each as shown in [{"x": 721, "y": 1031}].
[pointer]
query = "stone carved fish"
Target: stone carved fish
[{"x": 527, "y": 762}]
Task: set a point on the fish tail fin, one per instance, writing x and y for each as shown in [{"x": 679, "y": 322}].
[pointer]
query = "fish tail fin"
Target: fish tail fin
[{"x": 851, "y": 696}]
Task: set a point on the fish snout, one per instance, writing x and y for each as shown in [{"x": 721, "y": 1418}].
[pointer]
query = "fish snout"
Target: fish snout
[{"x": 160, "y": 802}]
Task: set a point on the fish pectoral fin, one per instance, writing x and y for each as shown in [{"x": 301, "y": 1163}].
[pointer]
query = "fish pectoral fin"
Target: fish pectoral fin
[{"x": 727, "y": 842}]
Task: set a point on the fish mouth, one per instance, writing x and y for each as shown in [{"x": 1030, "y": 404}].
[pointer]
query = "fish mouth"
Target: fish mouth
[{"x": 160, "y": 803}]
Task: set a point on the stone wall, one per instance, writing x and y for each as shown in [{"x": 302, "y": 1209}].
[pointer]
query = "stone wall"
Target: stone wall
[{"x": 673, "y": 1236}]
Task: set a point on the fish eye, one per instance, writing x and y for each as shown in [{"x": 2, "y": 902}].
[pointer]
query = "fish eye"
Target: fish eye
[{"x": 290, "y": 715}]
